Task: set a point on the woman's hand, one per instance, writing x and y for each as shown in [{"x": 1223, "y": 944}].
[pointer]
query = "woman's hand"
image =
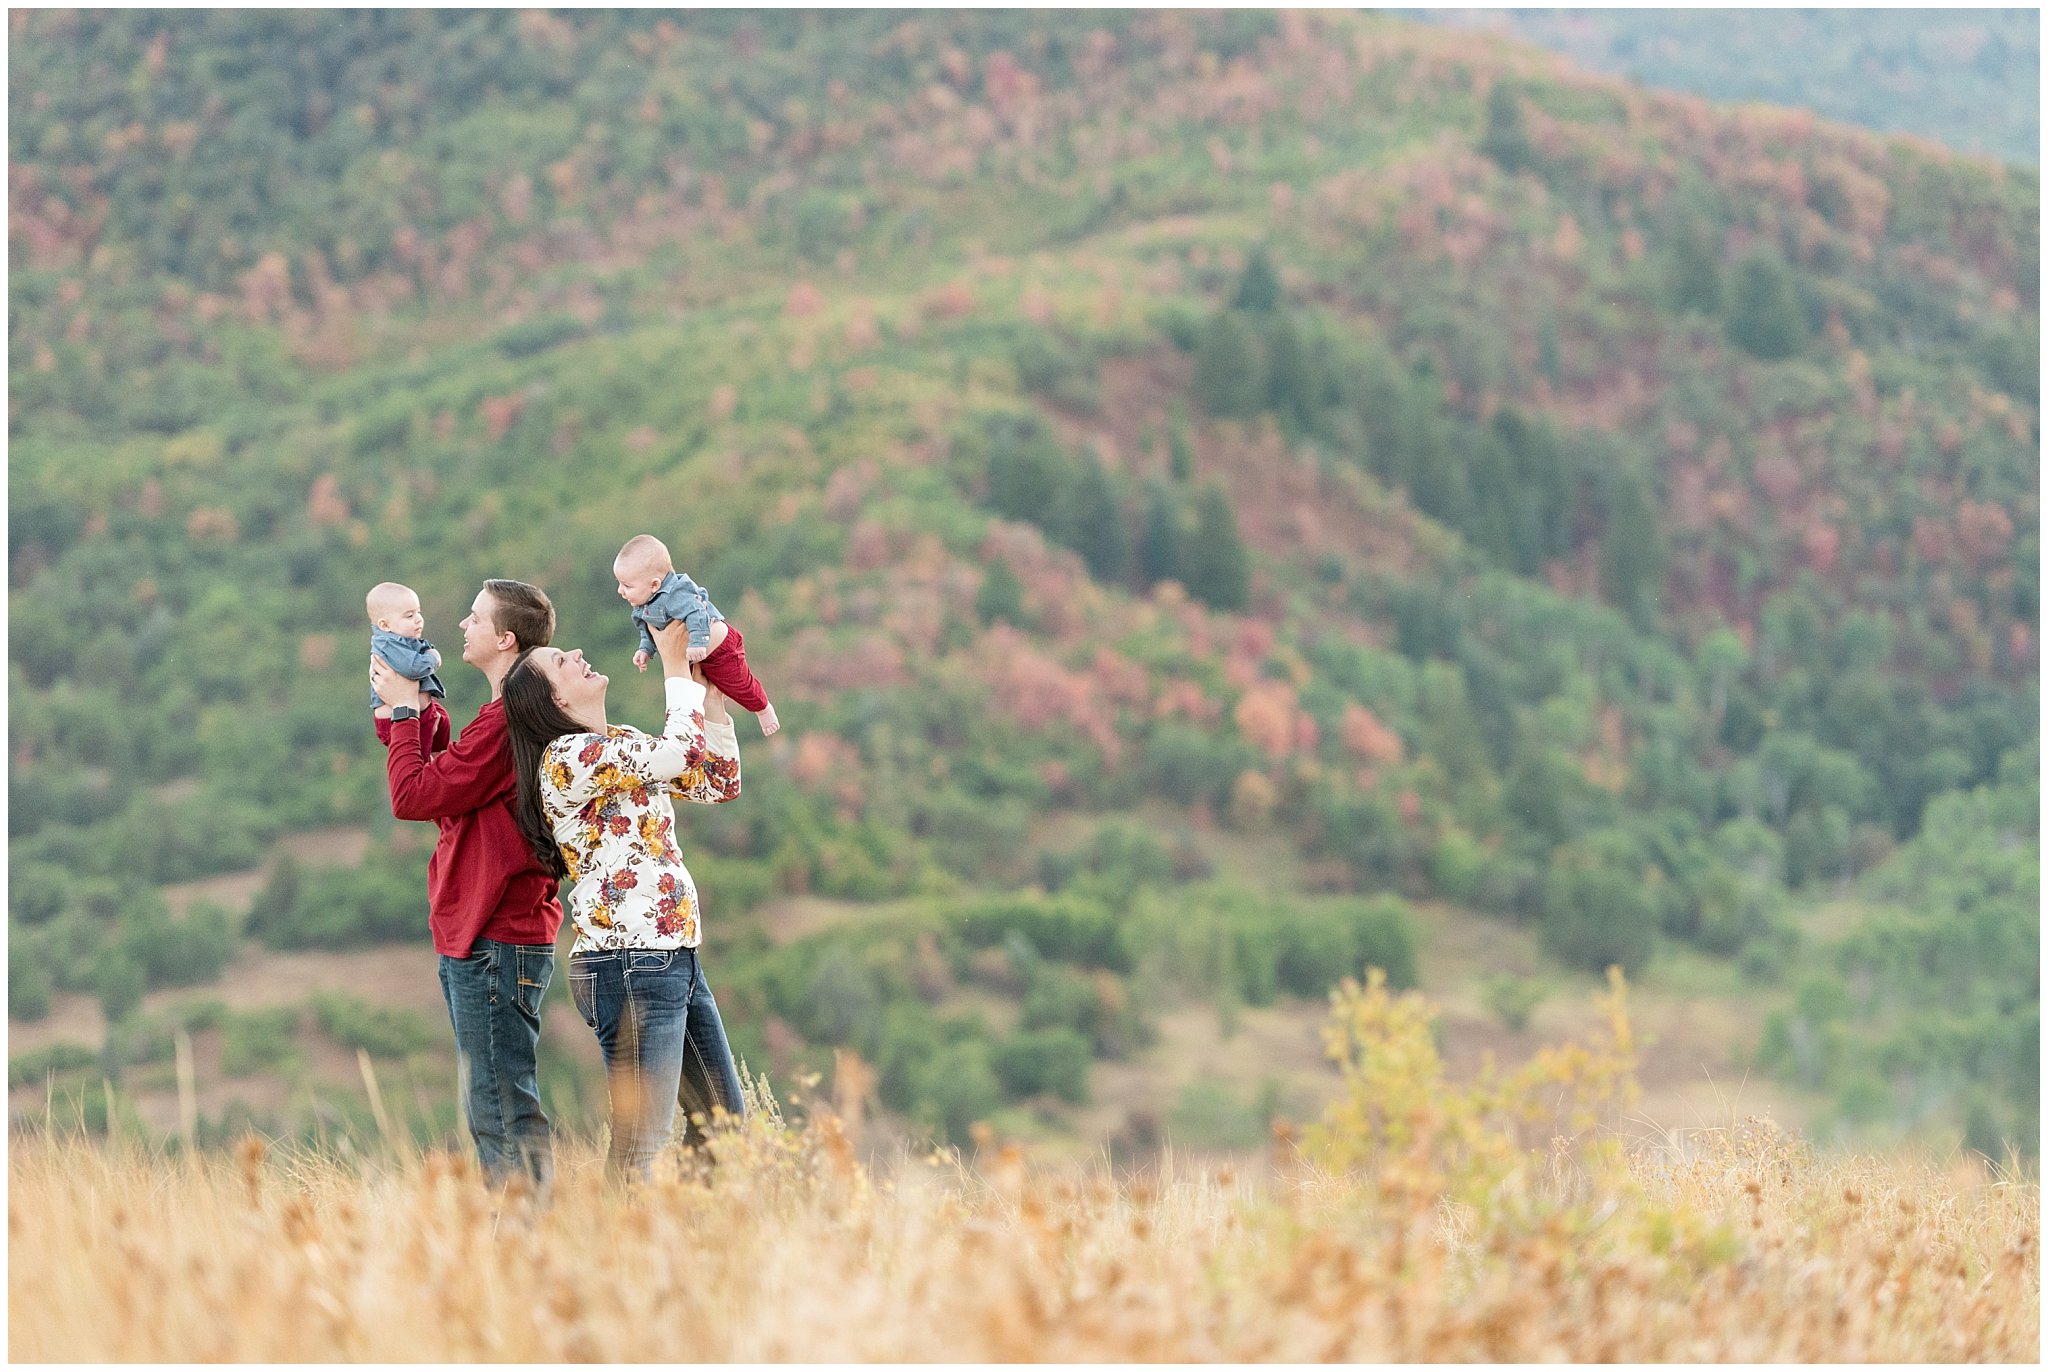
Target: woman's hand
[
  {"x": 391, "y": 688},
  {"x": 672, "y": 641}
]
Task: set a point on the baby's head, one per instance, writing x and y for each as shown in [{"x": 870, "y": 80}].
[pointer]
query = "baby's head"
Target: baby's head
[
  {"x": 396, "y": 609},
  {"x": 640, "y": 566}
]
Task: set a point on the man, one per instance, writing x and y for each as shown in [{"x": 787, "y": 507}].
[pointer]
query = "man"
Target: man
[{"x": 493, "y": 911}]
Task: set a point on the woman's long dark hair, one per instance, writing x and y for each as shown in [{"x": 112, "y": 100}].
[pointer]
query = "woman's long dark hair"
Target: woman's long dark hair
[{"x": 533, "y": 720}]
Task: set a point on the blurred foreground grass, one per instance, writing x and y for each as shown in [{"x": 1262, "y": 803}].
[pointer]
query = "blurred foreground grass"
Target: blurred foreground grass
[{"x": 1414, "y": 1222}]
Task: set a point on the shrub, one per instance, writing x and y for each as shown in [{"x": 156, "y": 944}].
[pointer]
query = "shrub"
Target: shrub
[
  {"x": 842, "y": 1003},
  {"x": 38, "y": 1063},
  {"x": 538, "y": 334},
  {"x": 1044, "y": 1062},
  {"x": 1512, "y": 1000},
  {"x": 119, "y": 982},
  {"x": 256, "y": 1041},
  {"x": 381, "y": 1031},
  {"x": 180, "y": 952},
  {"x": 384, "y": 900},
  {"x": 1594, "y": 914},
  {"x": 1062, "y": 928},
  {"x": 28, "y": 988},
  {"x": 1208, "y": 1115},
  {"x": 955, "y": 1087}
]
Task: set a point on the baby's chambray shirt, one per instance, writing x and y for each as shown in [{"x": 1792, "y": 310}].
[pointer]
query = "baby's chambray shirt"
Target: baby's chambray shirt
[{"x": 608, "y": 798}]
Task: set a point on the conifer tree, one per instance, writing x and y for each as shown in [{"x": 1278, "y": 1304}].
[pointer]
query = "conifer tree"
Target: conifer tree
[
  {"x": 1230, "y": 374},
  {"x": 1764, "y": 317},
  {"x": 1218, "y": 569},
  {"x": 1001, "y": 595},
  {"x": 1293, "y": 384},
  {"x": 1096, "y": 519},
  {"x": 1695, "y": 268},
  {"x": 1180, "y": 447},
  {"x": 1632, "y": 552},
  {"x": 1258, "y": 289},
  {"x": 1159, "y": 547},
  {"x": 1506, "y": 140}
]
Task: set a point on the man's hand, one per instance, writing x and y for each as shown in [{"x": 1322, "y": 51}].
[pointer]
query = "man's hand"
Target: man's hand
[{"x": 390, "y": 687}]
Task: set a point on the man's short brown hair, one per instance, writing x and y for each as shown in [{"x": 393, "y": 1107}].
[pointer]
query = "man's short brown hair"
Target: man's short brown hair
[{"x": 524, "y": 611}]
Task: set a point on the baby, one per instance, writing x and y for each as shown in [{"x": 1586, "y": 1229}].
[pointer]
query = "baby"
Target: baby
[
  {"x": 396, "y": 635},
  {"x": 659, "y": 594}
]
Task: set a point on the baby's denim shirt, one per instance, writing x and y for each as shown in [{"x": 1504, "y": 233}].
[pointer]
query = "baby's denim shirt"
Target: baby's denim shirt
[
  {"x": 407, "y": 657},
  {"x": 678, "y": 598}
]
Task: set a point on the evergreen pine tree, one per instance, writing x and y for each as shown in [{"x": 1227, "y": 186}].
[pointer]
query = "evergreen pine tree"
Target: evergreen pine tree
[
  {"x": 1218, "y": 569},
  {"x": 1026, "y": 472},
  {"x": 1506, "y": 140},
  {"x": 1764, "y": 316},
  {"x": 1180, "y": 447},
  {"x": 1230, "y": 375},
  {"x": 1293, "y": 385},
  {"x": 1159, "y": 548},
  {"x": 1695, "y": 268},
  {"x": 1096, "y": 520},
  {"x": 1258, "y": 289},
  {"x": 1001, "y": 595},
  {"x": 1632, "y": 552}
]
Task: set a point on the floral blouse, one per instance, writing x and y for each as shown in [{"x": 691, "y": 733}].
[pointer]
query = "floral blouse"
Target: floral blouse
[{"x": 608, "y": 798}]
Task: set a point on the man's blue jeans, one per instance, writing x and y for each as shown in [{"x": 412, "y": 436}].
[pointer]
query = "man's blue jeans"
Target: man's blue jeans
[
  {"x": 660, "y": 1033},
  {"x": 494, "y": 998}
]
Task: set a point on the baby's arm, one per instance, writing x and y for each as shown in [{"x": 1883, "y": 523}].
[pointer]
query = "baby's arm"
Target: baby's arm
[
  {"x": 640, "y": 658},
  {"x": 412, "y": 663},
  {"x": 699, "y": 620}
]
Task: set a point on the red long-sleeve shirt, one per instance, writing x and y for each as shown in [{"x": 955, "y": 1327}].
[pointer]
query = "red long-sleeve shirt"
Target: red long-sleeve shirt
[{"x": 483, "y": 880}]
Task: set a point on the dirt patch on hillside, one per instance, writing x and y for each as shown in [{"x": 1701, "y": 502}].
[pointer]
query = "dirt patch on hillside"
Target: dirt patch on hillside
[{"x": 343, "y": 845}]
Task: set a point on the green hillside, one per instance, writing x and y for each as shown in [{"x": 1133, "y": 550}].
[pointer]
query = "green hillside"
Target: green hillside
[{"x": 1218, "y": 500}]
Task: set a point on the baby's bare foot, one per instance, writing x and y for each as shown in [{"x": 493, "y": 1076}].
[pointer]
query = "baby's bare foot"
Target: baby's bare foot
[{"x": 769, "y": 723}]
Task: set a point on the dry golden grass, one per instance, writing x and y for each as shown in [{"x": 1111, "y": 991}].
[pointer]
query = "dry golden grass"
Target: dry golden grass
[{"x": 1418, "y": 1231}]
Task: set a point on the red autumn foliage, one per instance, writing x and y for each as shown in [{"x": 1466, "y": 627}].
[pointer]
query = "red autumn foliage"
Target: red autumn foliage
[
  {"x": 500, "y": 413},
  {"x": 804, "y": 301},
  {"x": 1984, "y": 530},
  {"x": 325, "y": 505},
  {"x": 1368, "y": 739},
  {"x": 1266, "y": 717}
]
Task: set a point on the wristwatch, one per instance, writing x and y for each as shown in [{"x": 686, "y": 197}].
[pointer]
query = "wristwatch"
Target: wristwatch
[{"x": 399, "y": 712}]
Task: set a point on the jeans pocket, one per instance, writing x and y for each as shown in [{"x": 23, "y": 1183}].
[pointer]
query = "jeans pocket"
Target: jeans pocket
[
  {"x": 533, "y": 969},
  {"x": 583, "y": 990},
  {"x": 643, "y": 960}
]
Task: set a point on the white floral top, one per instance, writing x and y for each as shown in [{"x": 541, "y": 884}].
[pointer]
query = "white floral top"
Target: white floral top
[{"x": 608, "y": 798}]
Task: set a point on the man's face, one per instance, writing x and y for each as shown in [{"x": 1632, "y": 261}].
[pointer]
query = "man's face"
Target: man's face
[{"x": 480, "y": 630}]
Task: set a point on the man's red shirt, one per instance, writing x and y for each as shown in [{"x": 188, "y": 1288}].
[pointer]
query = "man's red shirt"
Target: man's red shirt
[{"x": 483, "y": 880}]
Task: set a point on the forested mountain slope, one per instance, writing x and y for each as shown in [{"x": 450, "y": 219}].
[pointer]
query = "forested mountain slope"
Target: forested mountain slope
[{"x": 1502, "y": 487}]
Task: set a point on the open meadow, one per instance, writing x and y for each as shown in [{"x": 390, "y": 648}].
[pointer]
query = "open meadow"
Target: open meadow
[{"x": 1411, "y": 1223}]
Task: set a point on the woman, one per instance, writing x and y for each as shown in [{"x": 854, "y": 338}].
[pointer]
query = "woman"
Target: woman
[{"x": 594, "y": 804}]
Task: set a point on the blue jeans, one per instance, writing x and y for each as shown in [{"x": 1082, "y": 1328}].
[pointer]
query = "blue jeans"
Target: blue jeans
[
  {"x": 661, "y": 1036},
  {"x": 494, "y": 998}
]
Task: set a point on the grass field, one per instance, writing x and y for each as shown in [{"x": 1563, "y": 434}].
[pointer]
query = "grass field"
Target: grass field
[{"x": 1415, "y": 1222}]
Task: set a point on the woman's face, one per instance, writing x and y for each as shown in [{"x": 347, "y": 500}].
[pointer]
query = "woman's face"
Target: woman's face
[{"x": 578, "y": 687}]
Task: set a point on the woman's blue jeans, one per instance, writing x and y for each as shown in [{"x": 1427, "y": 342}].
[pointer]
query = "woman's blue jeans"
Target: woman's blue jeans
[{"x": 662, "y": 1040}]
